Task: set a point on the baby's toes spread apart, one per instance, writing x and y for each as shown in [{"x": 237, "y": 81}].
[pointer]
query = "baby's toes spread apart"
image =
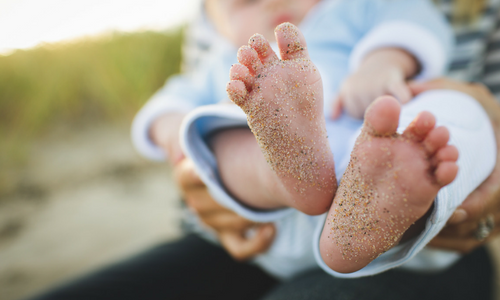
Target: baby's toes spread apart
[
  {"x": 284, "y": 108},
  {"x": 391, "y": 182}
]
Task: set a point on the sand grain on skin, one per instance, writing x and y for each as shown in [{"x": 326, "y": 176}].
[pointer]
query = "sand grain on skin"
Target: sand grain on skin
[{"x": 367, "y": 220}]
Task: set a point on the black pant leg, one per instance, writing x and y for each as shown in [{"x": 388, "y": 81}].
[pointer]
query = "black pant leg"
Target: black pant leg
[
  {"x": 470, "y": 278},
  {"x": 189, "y": 268}
]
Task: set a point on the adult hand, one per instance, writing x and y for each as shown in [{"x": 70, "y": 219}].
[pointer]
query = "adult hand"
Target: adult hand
[
  {"x": 460, "y": 232},
  {"x": 231, "y": 228}
]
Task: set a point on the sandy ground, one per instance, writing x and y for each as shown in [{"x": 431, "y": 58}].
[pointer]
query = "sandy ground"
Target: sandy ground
[{"x": 83, "y": 202}]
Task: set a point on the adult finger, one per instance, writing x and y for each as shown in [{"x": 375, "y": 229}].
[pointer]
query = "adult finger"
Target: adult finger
[
  {"x": 471, "y": 209},
  {"x": 185, "y": 175},
  {"x": 225, "y": 221},
  {"x": 458, "y": 216},
  {"x": 476, "y": 90},
  {"x": 462, "y": 245},
  {"x": 439, "y": 83},
  {"x": 199, "y": 200},
  {"x": 463, "y": 230},
  {"x": 468, "y": 228},
  {"x": 485, "y": 199},
  {"x": 243, "y": 248},
  {"x": 212, "y": 213}
]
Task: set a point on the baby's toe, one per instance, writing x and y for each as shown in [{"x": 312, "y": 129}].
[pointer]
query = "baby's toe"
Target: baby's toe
[
  {"x": 382, "y": 116},
  {"x": 420, "y": 127},
  {"x": 291, "y": 42},
  {"x": 436, "y": 138},
  {"x": 447, "y": 153},
  {"x": 240, "y": 72},
  {"x": 263, "y": 49},
  {"x": 250, "y": 59},
  {"x": 236, "y": 92},
  {"x": 446, "y": 172}
]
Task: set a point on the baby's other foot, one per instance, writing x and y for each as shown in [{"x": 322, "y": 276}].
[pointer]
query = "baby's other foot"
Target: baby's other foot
[
  {"x": 391, "y": 182},
  {"x": 283, "y": 101}
]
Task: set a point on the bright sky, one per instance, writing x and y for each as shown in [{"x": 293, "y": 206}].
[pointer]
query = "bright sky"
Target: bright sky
[{"x": 27, "y": 23}]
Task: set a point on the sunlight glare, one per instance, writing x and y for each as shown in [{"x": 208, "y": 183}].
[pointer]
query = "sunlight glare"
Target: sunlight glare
[{"x": 27, "y": 23}]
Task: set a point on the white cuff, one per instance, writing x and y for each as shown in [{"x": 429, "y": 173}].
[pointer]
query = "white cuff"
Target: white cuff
[
  {"x": 418, "y": 41},
  {"x": 194, "y": 130},
  {"x": 153, "y": 109}
]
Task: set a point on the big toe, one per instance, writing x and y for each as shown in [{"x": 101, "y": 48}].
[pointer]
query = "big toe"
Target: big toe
[
  {"x": 291, "y": 42},
  {"x": 382, "y": 116}
]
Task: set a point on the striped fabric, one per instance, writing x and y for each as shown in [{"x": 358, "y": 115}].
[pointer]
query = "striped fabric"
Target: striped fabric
[
  {"x": 477, "y": 53},
  {"x": 491, "y": 70},
  {"x": 199, "y": 37}
]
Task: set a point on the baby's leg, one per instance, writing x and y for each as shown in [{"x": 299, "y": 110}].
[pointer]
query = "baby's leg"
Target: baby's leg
[
  {"x": 283, "y": 101},
  {"x": 391, "y": 182},
  {"x": 244, "y": 171}
]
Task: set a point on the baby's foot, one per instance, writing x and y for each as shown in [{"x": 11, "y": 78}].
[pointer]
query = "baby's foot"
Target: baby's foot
[
  {"x": 283, "y": 101},
  {"x": 391, "y": 182}
]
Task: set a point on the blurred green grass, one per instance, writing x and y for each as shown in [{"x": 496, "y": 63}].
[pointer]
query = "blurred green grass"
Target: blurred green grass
[{"x": 99, "y": 79}]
